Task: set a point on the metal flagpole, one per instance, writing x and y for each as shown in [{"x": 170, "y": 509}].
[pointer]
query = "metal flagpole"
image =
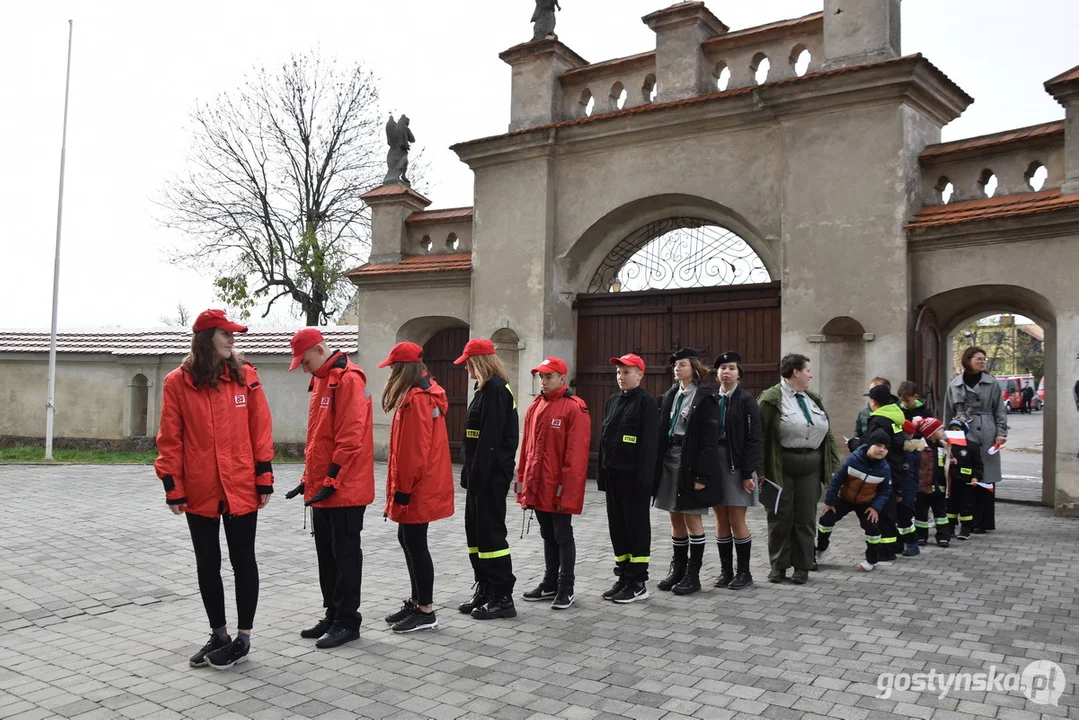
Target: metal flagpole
[{"x": 50, "y": 405}]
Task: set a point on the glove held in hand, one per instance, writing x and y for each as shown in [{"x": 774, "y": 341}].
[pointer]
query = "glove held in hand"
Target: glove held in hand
[
  {"x": 324, "y": 493},
  {"x": 294, "y": 492}
]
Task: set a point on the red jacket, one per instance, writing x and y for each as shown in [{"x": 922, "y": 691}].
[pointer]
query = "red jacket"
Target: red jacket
[
  {"x": 340, "y": 437},
  {"x": 215, "y": 446},
  {"x": 554, "y": 453},
  {"x": 419, "y": 464}
]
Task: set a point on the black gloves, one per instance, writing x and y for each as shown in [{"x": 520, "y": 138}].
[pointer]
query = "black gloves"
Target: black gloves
[
  {"x": 322, "y": 494},
  {"x": 400, "y": 498},
  {"x": 294, "y": 492}
]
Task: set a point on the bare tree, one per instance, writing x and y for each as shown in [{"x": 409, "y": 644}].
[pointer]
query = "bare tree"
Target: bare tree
[
  {"x": 181, "y": 318},
  {"x": 271, "y": 201}
]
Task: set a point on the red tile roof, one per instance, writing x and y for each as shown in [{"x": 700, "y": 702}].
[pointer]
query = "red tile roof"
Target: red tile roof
[
  {"x": 444, "y": 215},
  {"x": 1065, "y": 77},
  {"x": 392, "y": 190},
  {"x": 418, "y": 264},
  {"x": 1050, "y": 130},
  {"x": 812, "y": 23},
  {"x": 165, "y": 341},
  {"x": 709, "y": 97},
  {"x": 992, "y": 208}
]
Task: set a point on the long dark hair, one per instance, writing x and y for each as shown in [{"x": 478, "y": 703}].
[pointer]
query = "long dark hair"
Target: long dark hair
[
  {"x": 204, "y": 364},
  {"x": 403, "y": 376}
]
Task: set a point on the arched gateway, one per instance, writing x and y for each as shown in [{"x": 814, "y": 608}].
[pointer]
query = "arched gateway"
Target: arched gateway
[{"x": 810, "y": 210}]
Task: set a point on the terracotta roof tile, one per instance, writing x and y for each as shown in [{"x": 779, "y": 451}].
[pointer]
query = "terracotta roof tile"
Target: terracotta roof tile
[
  {"x": 981, "y": 142},
  {"x": 443, "y": 215},
  {"x": 1067, "y": 76},
  {"x": 762, "y": 32},
  {"x": 992, "y": 208},
  {"x": 418, "y": 264},
  {"x": 710, "y": 97},
  {"x": 391, "y": 190},
  {"x": 165, "y": 341}
]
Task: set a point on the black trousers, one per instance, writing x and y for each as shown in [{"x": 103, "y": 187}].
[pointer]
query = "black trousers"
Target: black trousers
[
  {"x": 559, "y": 548},
  {"x": 889, "y": 531},
  {"x": 984, "y": 502},
  {"x": 485, "y": 532},
  {"x": 340, "y": 561},
  {"x": 935, "y": 501},
  {"x": 629, "y": 521},
  {"x": 842, "y": 508},
  {"x": 240, "y": 536},
  {"x": 421, "y": 570},
  {"x": 961, "y": 503},
  {"x": 904, "y": 522}
]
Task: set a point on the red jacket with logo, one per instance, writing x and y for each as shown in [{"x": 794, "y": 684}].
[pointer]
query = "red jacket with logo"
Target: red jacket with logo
[
  {"x": 215, "y": 445},
  {"x": 340, "y": 437},
  {"x": 554, "y": 453},
  {"x": 419, "y": 464}
]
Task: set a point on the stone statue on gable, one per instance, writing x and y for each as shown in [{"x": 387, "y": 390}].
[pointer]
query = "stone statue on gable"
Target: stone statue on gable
[
  {"x": 399, "y": 137},
  {"x": 543, "y": 20}
]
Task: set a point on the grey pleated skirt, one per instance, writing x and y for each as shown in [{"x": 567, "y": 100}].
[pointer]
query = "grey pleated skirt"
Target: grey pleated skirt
[
  {"x": 732, "y": 492},
  {"x": 667, "y": 495}
]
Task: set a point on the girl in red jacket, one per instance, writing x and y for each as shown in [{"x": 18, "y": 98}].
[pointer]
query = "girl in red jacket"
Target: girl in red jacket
[
  {"x": 214, "y": 449},
  {"x": 551, "y": 476},
  {"x": 419, "y": 481}
]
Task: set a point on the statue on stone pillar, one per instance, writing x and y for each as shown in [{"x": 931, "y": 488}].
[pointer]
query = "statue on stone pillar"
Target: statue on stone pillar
[
  {"x": 543, "y": 20},
  {"x": 398, "y": 136}
]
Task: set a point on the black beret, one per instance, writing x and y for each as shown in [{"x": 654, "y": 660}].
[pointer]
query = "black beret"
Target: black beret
[
  {"x": 728, "y": 357},
  {"x": 684, "y": 354}
]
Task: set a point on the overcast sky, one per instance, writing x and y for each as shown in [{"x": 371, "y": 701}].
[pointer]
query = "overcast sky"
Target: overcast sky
[{"x": 140, "y": 66}]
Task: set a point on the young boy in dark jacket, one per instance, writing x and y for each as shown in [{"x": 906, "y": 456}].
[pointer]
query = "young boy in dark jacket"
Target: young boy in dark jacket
[
  {"x": 862, "y": 486},
  {"x": 627, "y": 461},
  {"x": 964, "y": 470},
  {"x": 932, "y": 482}
]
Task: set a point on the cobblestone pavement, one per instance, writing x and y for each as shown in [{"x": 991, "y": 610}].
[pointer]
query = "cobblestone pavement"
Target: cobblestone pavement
[{"x": 99, "y": 612}]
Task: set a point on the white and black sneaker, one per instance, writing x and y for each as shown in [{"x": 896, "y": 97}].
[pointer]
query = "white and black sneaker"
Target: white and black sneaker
[
  {"x": 407, "y": 608},
  {"x": 417, "y": 620},
  {"x": 632, "y": 592},
  {"x": 232, "y": 654},
  {"x": 542, "y": 592},
  {"x": 819, "y": 558},
  {"x": 562, "y": 599},
  {"x": 214, "y": 643}
]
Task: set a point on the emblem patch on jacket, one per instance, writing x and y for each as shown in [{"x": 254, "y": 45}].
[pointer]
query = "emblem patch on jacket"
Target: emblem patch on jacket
[
  {"x": 240, "y": 399},
  {"x": 556, "y": 422},
  {"x": 324, "y": 402}
]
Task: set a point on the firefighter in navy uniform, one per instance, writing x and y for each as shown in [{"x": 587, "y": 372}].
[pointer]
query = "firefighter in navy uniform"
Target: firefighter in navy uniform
[
  {"x": 490, "y": 447},
  {"x": 627, "y": 461},
  {"x": 965, "y": 468}
]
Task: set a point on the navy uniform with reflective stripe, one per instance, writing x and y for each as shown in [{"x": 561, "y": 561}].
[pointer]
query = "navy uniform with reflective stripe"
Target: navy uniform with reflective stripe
[
  {"x": 627, "y": 461},
  {"x": 490, "y": 447}
]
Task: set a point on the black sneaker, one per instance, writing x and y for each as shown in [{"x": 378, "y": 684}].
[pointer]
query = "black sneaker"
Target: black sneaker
[
  {"x": 199, "y": 658},
  {"x": 407, "y": 607},
  {"x": 416, "y": 620},
  {"x": 964, "y": 532},
  {"x": 944, "y": 542},
  {"x": 336, "y": 636},
  {"x": 225, "y": 657},
  {"x": 317, "y": 630},
  {"x": 563, "y": 598},
  {"x": 777, "y": 576},
  {"x": 631, "y": 592},
  {"x": 542, "y": 592},
  {"x": 615, "y": 589},
  {"x": 800, "y": 577},
  {"x": 495, "y": 608}
]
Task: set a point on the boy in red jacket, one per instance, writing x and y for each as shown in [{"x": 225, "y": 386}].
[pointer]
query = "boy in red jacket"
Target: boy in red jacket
[
  {"x": 338, "y": 481},
  {"x": 551, "y": 476}
]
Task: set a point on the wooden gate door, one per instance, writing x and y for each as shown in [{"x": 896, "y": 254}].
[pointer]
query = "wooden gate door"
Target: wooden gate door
[
  {"x": 653, "y": 324},
  {"x": 438, "y": 354},
  {"x": 927, "y": 358}
]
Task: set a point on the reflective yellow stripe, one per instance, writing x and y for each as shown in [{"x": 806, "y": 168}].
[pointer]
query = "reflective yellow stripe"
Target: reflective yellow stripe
[
  {"x": 906, "y": 530},
  {"x": 646, "y": 558},
  {"x": 872, "y": 540},
  {"x": 622, "y": 558},
  {"x": 821, "y": 528},
  {"x": 512, "y": 396},
  {"x": 966, "y": 518},
  {"x": 966, "y": 471},
  {"x": 496, "y": 554},
  {"x": 472, "y": 434},
  {"x": 942, "y": 521},
  {"x": 923, "y": 524},
  {"x": 953, "y": 516},
  {"x": 632, "y": 439},
  {"x": 473, "y": 550},
  {"x": 889, "y": 539}
]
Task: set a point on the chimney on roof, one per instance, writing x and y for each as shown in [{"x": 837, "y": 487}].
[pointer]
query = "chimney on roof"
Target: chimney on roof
[
  {"x": 858, "y": 32},
  {"x": 682, "y": 70},
  {"x": 1065, "y": 88}
]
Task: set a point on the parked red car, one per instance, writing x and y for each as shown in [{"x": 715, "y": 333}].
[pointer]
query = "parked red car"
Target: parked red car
[{"x": 1011, "y": 389}]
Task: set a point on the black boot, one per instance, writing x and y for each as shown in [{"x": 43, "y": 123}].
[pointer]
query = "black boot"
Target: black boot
[
  {"x": 691, "y": 581},
  {"x": 726, "y": 561},
  {"x": 742, "y": 578},
  {"x": 479, "y": 598},
  {"x": 678, "y": 564},
  {"x": 497, "y": 606}
]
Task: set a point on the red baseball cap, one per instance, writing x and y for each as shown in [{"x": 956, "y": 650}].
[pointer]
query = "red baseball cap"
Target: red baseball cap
[
  {"x": 551, "y": 365},
  {"x": 629, "y": 360},
  {"x": 475, "y": 346},
  {"x": 216, "y": 319},
  {"x": 304, "y": 339},
  {"x": 403, "y": 352}
]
